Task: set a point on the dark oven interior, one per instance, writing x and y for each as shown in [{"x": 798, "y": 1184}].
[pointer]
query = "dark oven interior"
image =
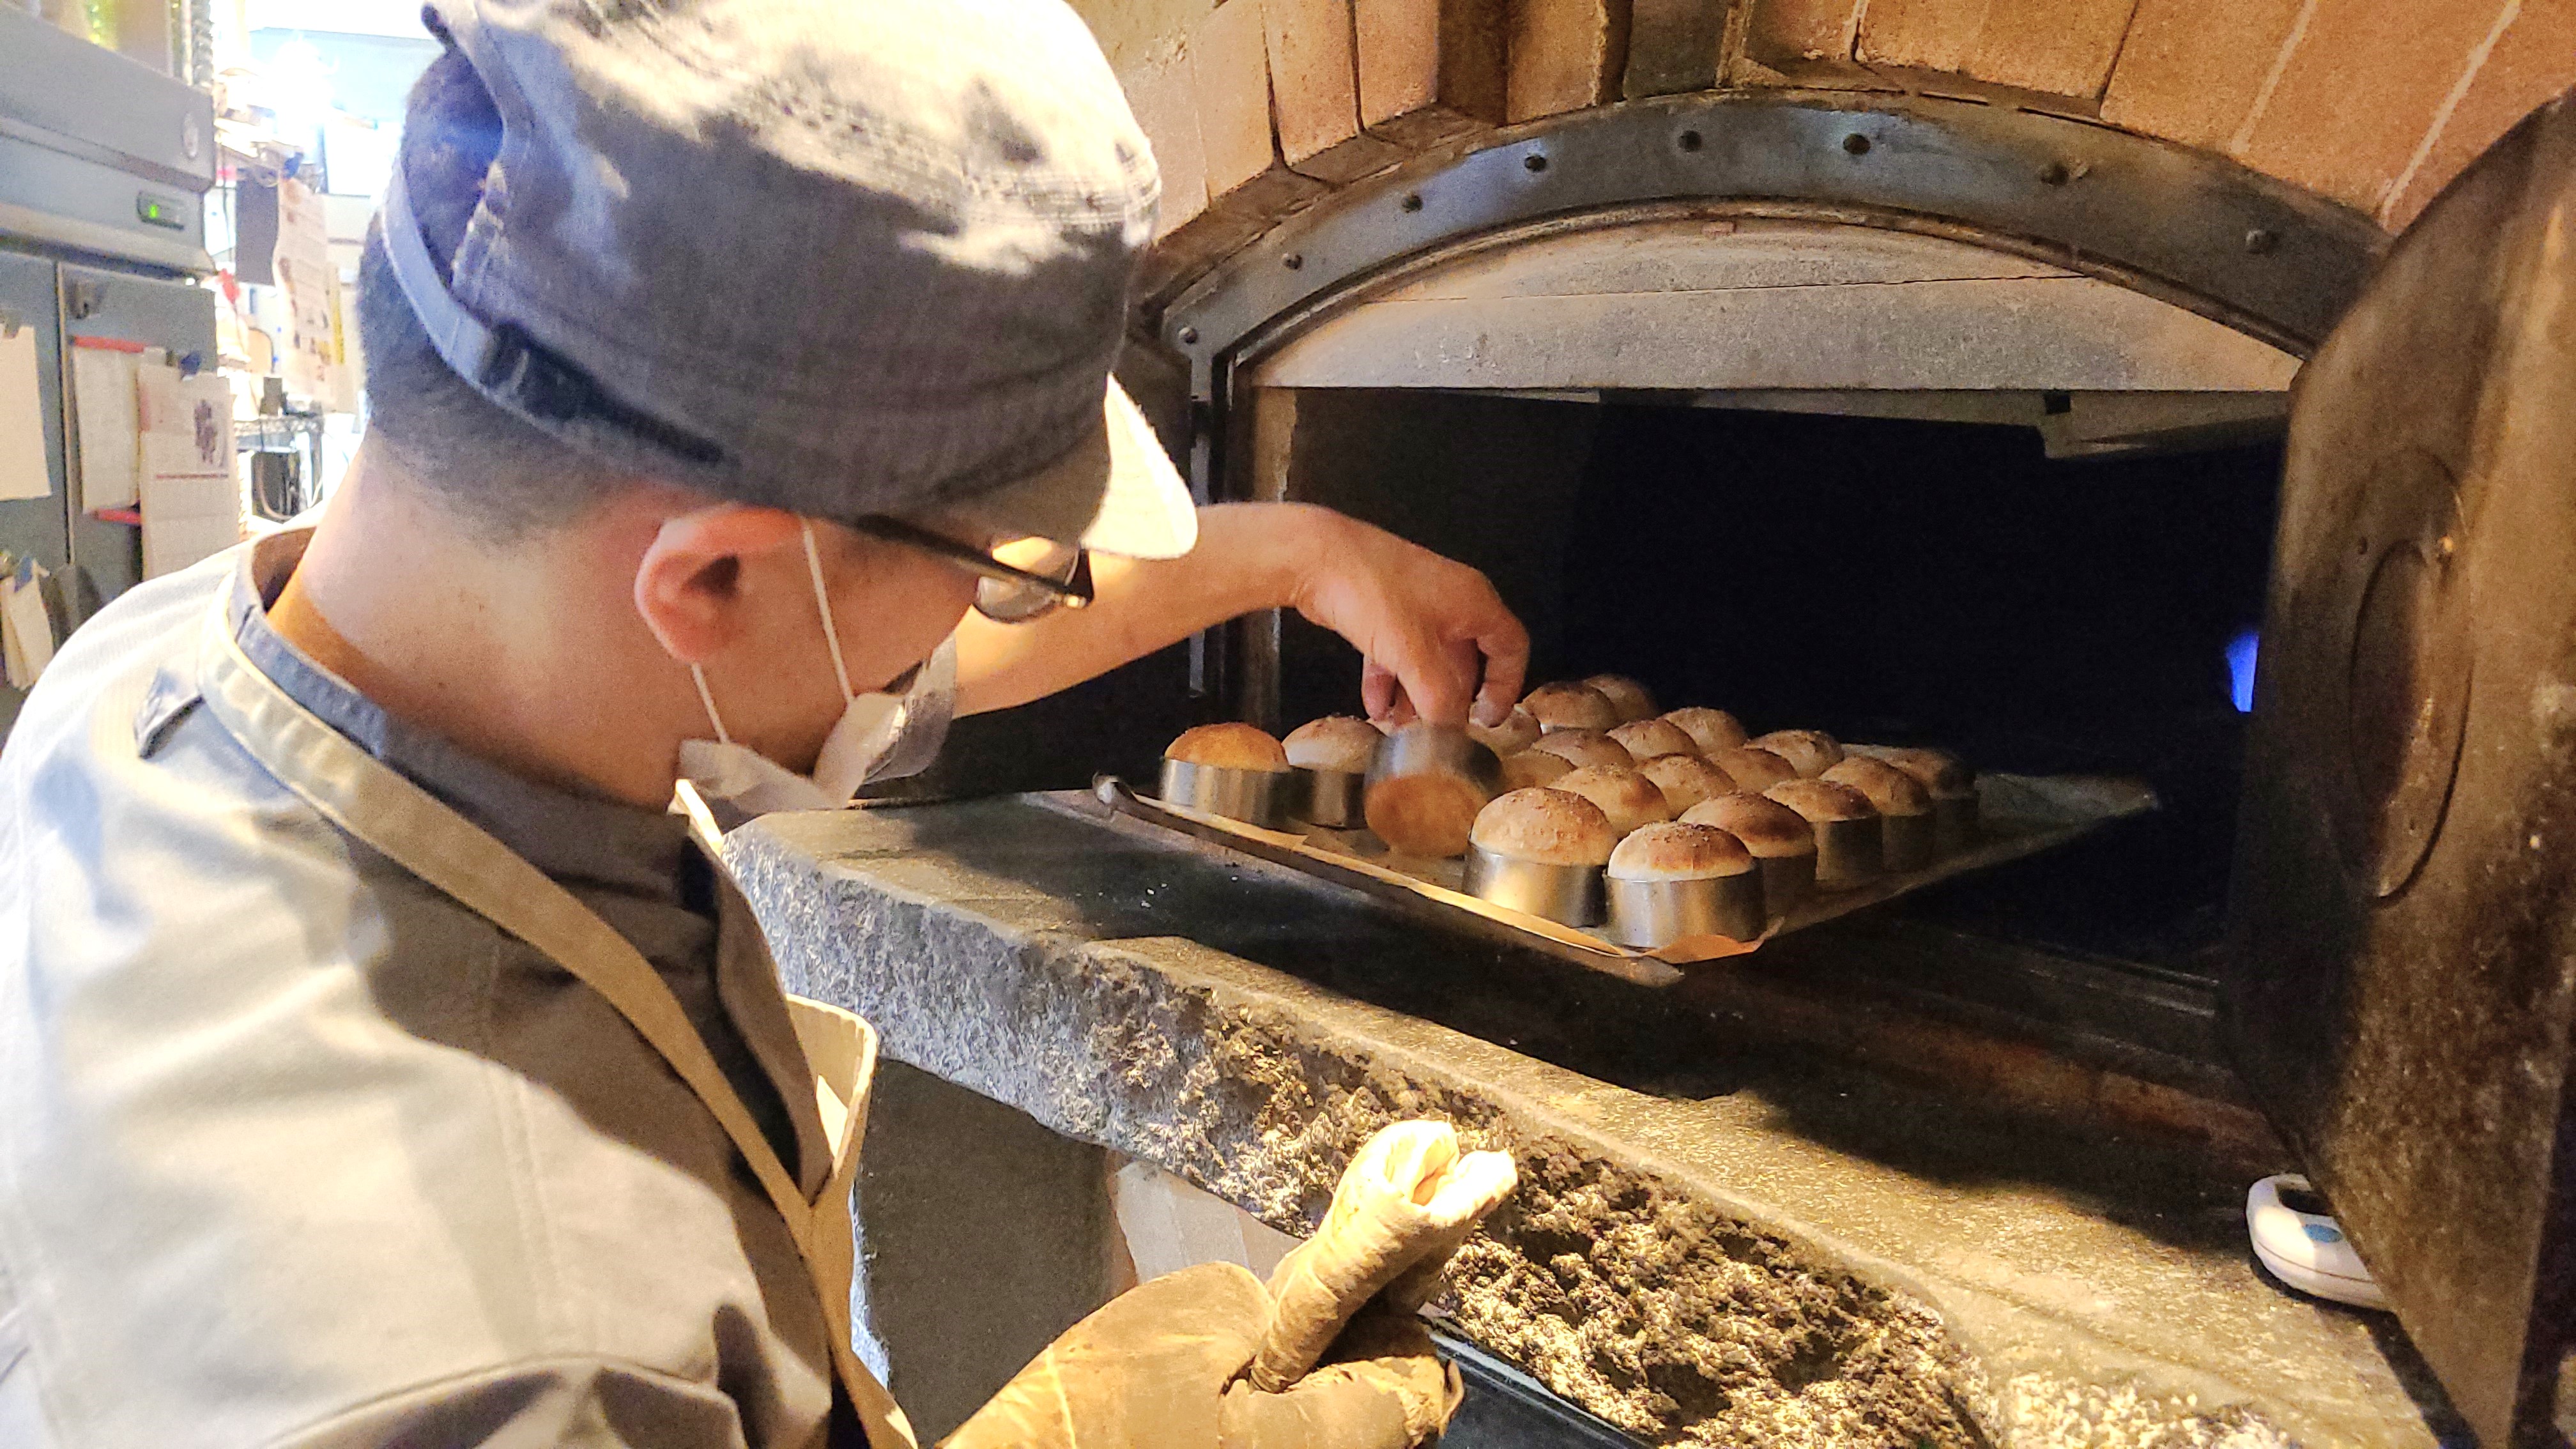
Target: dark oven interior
[{"x": 1885, "y": 579}]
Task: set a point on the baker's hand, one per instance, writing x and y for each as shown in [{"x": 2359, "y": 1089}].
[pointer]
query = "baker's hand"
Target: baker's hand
[
  {"x": 1162, "y": 1368},
  {"x": 1330, "y": 1355},
  {"x": 1435, "y": 637}
]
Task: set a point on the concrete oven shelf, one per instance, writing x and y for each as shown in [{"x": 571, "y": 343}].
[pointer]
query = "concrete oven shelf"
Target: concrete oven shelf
[{"x": 1718, "y": 1239}]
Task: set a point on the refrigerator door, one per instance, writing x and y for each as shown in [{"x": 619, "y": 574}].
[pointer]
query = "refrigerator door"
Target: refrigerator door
[
  {"x": 2405, "y": 898},
  {"x": 125, "y": 306},
  {"x": 36, "y": 528}
]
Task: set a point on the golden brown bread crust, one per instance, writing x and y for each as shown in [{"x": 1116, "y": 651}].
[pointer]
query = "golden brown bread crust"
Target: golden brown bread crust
[
  {"x": 1228, "y": 747},
  {"x": 1427, "y": 814},
  {"x": 1686, "y": 780},
  {"x": 1625, "y": 695},
  {"x": 1672, "y": 850},
  {"x": 1533, "y": 767},
  {"x": 1944, "y": 774},
  {"x": 1583, "y": 747},
  {"x": 1547, "y": 827},
  {"x": 1627, "y": 797},
  {"x": 1891, "y": 791},
  {"x": 1518, "y": 731},
  {"x": 1822, "y": 800},
  {"x": 1644, "y": 739},
  {"x": 1570, "y": 707},
  {"x": 1711, "y": 730},
  {"x": 1338, "y": 742},
  {"x": 1752, "y": 770},
  {"x": 1767, "y": 827},
  {"x": 1809, "y": 752}
]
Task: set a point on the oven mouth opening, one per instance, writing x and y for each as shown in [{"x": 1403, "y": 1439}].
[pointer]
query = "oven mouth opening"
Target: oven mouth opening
[{"x": 1901, "y": 580}]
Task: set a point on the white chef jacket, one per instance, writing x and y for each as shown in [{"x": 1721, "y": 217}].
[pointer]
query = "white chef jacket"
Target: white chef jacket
[{"x": 297, "y": 1149}]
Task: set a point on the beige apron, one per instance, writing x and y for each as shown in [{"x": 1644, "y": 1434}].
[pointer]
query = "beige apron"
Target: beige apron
[{"x": 375, "y": 803}]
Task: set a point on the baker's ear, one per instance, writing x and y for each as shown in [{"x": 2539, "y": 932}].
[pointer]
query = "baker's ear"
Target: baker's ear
[{"x": 691, "y": 584}]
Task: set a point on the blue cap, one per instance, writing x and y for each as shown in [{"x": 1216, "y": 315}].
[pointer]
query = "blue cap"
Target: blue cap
[{"x": 848, "y": 258}]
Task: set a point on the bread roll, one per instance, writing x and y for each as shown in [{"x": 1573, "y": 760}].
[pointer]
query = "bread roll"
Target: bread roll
[
  {"x": 1779, "y": 838},
  {"x": 1809, "y": 752},
  {"x": 1710, "y": 730},
  {"x": 1891, "y": 791},
  {"x": 1518, "y": 731},
  {"x": 1952, "y": 785},
  {"x": 1686, "y": 780},
  {"x": 1850, "y": 843},
  {"x": 1939, "y": 772},
  {"x": 1644, "y": 739},
  {"x": 1907, "y": 837},
  {"x": 1228, "y": 747},
  {"x": 1752, "y": 770},
  {"x": 1547, "y": 827},
  {"x": 1673, "y": 850},
  {"x": 1583, "y": 747},
  {"x": 1337, "y": 742},
  {"x": 1822, "y": 801},
  {"x": 1533, "y": 767},
  {"x": 1427, "y": 814},
  {"x": 1628, "y": 798},
  {"x": 1570, "y": 707},
  {"x": 1767, "y": 828},
  {"x": 1625, "y": 695}
]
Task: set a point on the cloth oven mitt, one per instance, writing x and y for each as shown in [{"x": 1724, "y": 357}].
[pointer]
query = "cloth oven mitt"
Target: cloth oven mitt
[{"x": 1180, "y": 1361}]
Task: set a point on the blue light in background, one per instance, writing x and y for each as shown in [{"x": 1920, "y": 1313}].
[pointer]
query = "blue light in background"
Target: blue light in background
[{"x": 2240, "y": 670}]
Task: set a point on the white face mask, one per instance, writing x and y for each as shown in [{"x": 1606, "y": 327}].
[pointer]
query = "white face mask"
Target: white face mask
[{"x": 880, "y": 736}]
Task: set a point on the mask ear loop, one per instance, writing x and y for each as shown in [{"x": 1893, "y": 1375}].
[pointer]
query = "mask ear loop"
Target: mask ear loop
[
  {"x": 707, "y": 698},
  {"x": 823, "y": 605}
]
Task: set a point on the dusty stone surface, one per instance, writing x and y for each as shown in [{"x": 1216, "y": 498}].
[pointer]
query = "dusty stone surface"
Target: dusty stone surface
[{"x": 1707, "y": 1248}]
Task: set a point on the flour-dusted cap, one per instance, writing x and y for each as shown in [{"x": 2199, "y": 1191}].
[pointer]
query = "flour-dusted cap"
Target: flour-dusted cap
[{"x": 848, "y": 258}]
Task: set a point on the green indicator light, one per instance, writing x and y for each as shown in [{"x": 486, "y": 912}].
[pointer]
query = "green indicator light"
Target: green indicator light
[{"x": 159, "y": 211}]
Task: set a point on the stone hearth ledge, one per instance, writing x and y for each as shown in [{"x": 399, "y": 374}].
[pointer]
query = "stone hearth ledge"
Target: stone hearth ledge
[{"x": 1693, "y": 1270}]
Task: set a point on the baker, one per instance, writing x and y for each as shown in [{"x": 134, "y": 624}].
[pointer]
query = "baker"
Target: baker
[{"x": 382, "y": 1059}]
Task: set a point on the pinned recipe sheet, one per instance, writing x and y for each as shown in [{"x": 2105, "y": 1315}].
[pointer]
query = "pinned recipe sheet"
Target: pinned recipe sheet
[
  {"x": 22, "y": 416},
  {"x": 191, "y": 495}
]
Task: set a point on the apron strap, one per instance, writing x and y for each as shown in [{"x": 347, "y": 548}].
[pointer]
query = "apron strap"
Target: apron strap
[{"x": 378, "y": 805}]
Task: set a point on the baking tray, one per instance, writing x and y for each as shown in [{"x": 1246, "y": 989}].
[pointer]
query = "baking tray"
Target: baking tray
[{"x": 2019, "y": 815}]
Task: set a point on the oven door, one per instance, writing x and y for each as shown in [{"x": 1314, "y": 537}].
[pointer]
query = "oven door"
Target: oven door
[{"x": 2404, "y": 903}]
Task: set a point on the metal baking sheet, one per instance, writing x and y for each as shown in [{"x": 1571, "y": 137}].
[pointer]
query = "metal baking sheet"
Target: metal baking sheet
[{"x": 2019, "y": 815}]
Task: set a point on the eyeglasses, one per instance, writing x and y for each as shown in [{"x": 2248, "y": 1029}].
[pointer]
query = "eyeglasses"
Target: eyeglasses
[{"x": 1042, "y": 577}]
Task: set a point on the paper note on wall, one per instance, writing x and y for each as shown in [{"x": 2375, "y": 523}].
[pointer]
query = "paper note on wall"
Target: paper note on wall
[
  {"x": 304, "y": 271},
  {"x": 192, "y": 502},
  {"x": 104, "y": 411},
  {"x": 22, "y": 419},
  {"x": 26, "y": 630}
]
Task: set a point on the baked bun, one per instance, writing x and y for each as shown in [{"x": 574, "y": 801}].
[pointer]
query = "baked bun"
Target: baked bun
[
  {"x": 1766, "y": 827},
  {"x": 1228, "y": 747},
  {"x": 1943, "y": 774},
  {"x": 1686, "y": 780},
  {"x": 1518, "y": 731},
  {"x": 1337, "y": 742},
  {"x": 1625, "y": 695},
  {"x": 1822, "y": 801},
  {"x": 1710, "y": 730},
  {"x": 1891, "y": 791},
  {"x": 1583, "y": 747},
  {"x": 1545, "y": 827},
  {"x": 1570, "y": 707},
  {"x": 1533, "y": 767},
  {"x": 1752, "y": 770},
  {"x": 1628, "y": 798},
  {"x": 1809, "y": 752},
  {"x": 1644, "y": 739},
  {"x": 1672, "y": 850}
]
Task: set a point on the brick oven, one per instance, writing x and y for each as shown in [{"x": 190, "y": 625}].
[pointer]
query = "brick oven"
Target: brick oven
[{"x": 1924, "y": 369}]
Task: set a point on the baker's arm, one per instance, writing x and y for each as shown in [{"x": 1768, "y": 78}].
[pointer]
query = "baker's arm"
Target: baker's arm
[{"x": 1432, "y": 627}]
